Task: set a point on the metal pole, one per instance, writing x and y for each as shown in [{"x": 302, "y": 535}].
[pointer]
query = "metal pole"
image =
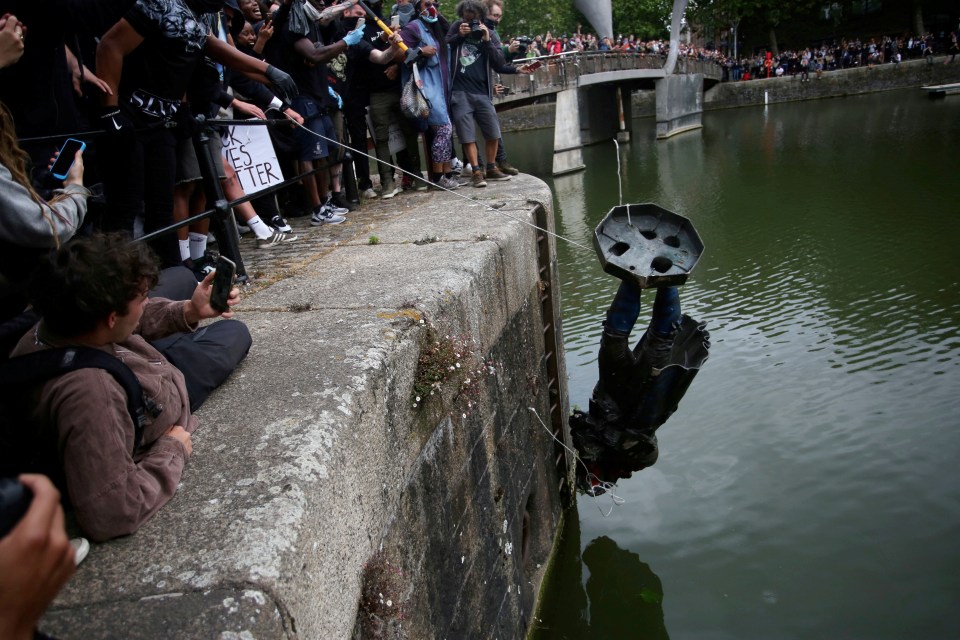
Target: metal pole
[{"x": 224, "y": 226}]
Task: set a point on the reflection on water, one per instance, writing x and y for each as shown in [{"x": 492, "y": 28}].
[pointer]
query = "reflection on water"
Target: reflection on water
[
  {"x": 607, "y": 592},
  {"x": 808, "y": 486}
]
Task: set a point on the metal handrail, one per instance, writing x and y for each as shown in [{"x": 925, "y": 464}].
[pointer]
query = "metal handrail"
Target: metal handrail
[{"x": 564, "y": 70}]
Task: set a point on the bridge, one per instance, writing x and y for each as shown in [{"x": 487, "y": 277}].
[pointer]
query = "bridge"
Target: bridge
[{"x": 593, "y": 91}]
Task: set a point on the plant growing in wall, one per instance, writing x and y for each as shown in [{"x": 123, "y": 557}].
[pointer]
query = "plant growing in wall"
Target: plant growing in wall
[
  {"x": 381, "y": 600},
  {"x": 447, "y": 363}
]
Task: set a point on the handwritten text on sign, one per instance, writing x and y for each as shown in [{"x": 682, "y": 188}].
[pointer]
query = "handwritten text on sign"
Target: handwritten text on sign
[{"x": 250, "y": 152}]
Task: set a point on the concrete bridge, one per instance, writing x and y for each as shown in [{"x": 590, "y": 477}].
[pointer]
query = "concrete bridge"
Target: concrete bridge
[{"x": 593, "y": 96}]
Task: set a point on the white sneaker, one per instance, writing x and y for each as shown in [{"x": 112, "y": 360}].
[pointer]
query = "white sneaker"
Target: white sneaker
[
  {"x": 449, "y": 182},
  {"x": 281, "y": 225},
  {"x": 325, "y": 216},
  {"x": 391, "y": 190},
  {"x": 275, "y": 238},
  {"x": 80, "y": 549},
  {"x": 330, "y": 206},
  {"x": 456, "y": 165},
  {"x": 369, "y": 194}
]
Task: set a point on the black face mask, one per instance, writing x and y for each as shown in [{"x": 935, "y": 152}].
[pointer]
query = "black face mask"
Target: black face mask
[
  {"x": 350, "y": 23},
  {"x": 205, "y": 6},
  {"x": 490, "y": 24}
]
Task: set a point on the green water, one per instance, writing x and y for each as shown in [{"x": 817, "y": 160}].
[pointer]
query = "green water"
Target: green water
[{"x": 808, "y": 486}]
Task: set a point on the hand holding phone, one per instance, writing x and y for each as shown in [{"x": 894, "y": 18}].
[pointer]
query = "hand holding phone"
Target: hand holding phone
[
  {"x": 530, "y": 67},
  {"x": 222, "y": 284},
  {"x": 67, "y": 165}
]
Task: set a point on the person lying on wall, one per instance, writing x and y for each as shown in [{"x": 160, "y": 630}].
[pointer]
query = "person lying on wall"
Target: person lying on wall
[{"x": 94, "y": 293}]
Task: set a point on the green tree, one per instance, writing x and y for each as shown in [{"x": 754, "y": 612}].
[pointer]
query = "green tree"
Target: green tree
[
  {"x": 644, "y": 18},
  {"x": 712, "y": 16},
  {"x": 647, "y": 19},
  {"x": 533, "y": 17}
]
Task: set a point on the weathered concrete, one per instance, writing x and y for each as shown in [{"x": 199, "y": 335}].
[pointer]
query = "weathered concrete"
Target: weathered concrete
[
  {"x": 312, "y": 463},
  {"x": 599, "y": 113},
  {"x": 679, "y": 104},
  {"x": 885, "y": 77},
  {"x": 567, "y": 143}
]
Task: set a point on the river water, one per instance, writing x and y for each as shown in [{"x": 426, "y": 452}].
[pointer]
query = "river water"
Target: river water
[{"x": 809, "y": 484}]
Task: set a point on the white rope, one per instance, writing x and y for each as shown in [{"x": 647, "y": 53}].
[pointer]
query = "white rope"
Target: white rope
[
  {"x": 416, "y": 176},
  {"x": 607, "y": 487},
  {"x": 619, "y": 176}
]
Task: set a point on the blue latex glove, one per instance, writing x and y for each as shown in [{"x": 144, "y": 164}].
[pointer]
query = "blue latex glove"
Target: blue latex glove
[
  {"x": 354, "y": 36},
  {"x": 335, "y": 96}
]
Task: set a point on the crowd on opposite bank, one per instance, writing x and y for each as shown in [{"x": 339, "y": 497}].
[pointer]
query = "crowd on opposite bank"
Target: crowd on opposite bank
[{"x": 846, "y": 53}]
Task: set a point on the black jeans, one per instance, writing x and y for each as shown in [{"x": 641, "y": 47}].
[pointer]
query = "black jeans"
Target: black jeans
[
  {"x": 207, "y": 356},
  {"x": 356, "y": 121},
  {"x": 139, "y": 172}
]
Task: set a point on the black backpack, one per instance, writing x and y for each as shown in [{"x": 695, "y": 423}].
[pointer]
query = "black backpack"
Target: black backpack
[{"x": 23, "y": 449}]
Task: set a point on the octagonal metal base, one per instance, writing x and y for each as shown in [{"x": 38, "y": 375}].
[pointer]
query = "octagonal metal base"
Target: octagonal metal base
[{"x": 648, "y": 244}]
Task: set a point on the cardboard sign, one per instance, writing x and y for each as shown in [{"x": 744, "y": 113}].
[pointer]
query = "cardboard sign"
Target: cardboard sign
[{"x": 250, "y": 152}]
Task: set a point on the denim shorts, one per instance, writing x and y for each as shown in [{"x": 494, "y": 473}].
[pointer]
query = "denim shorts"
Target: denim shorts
[
  {"x": 315, "y": 118},
  {"x": 464, "y": 107}
]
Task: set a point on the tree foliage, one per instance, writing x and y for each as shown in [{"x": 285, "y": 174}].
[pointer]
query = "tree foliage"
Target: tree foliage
[
  {"x": 532, "y": 17},
  {"x": 644, "y": 18}
]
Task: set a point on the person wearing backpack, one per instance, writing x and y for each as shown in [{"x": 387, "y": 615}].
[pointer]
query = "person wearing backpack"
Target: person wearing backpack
[{"x": 93, "y": 293}]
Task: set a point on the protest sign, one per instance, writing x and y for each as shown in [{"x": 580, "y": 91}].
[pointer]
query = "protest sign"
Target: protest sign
[{"x": 249, "y": 151}]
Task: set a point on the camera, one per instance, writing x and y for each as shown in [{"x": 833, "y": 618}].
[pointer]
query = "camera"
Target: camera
[
  {"x": 475, "y": 27},
  {"x": 523, "y": 43},
  {"x": 14, "y": 501}
]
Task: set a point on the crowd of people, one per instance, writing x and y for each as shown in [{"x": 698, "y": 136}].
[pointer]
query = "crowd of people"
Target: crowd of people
[
  {"x": 845, "y": 53},
  {"x": 140, "y": 83}
]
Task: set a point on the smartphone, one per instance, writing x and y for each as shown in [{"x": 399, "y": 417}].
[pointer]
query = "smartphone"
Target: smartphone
[
  {"x": 68, "y": 153},
  {"x": 222, "y": 283},
  {"x": 395, "y": 21},
  {"x": 360, "y": 22}
]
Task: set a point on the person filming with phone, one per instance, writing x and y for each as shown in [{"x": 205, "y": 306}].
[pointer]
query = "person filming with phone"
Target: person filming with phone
[
  {"x": 93, "y": 293},
  {"x": 31, "y": 225}
]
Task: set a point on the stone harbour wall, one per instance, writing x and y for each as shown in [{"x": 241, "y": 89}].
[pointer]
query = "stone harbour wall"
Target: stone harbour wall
[{"x": 324, "y": 499}]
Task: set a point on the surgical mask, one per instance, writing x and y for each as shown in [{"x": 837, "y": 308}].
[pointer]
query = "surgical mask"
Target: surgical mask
[{"x": 429, "y": 14}]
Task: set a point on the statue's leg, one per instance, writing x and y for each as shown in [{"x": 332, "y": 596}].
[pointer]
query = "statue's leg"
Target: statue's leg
[
  {"x": 624, "y": 310},
  {"x": 666, "y": 310}
]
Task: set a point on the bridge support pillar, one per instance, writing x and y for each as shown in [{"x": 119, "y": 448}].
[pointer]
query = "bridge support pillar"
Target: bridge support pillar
[
  {"x": 679, "y": 104},
  {"x": 624, "y": 106},
  {"x": 567, "y": 143},
  {"x": 599, "y": 113}
]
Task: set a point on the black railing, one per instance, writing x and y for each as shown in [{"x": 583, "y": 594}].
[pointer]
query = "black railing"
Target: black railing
[{"x": 223, "y": 224}]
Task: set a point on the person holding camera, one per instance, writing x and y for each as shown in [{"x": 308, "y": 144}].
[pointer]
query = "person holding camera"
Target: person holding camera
[
  {"x": 93, "y": 293},
  {"x": 517, "y": 48},
  {"x": 475, "y": 54},
  {"x": 36, "y": 560}
]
